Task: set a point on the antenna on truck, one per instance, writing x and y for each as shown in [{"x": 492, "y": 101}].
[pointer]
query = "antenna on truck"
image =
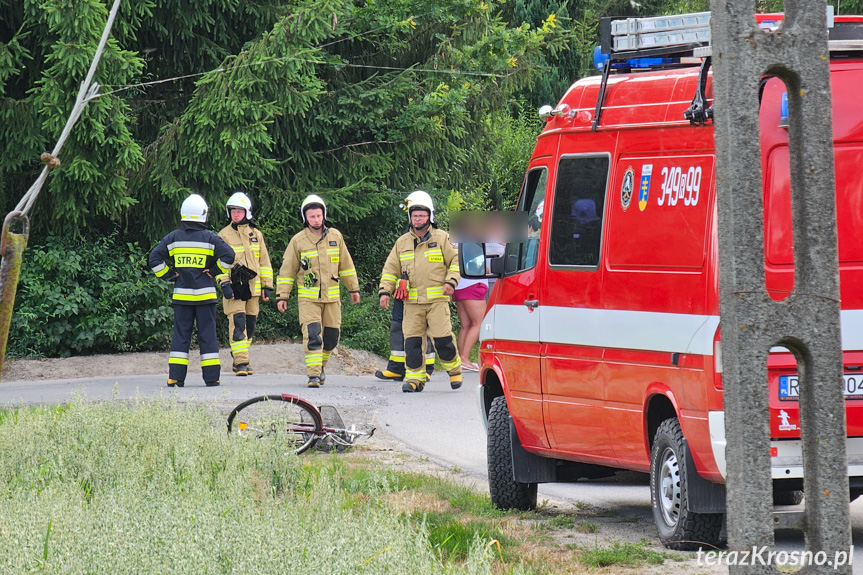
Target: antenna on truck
[{"x": 626, "y": 40}]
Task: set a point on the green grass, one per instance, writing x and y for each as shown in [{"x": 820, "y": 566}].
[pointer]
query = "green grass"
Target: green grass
[
  {"x": 453, "y": 537},
  {"x": 161, "y": 488},
  {"x": 622, "y": 555}
]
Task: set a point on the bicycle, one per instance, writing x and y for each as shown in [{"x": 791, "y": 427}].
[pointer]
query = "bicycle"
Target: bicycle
[{"x": 301, "y": 424}]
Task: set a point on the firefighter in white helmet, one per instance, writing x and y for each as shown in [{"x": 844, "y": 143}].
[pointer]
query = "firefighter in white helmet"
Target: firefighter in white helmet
[
  {"x": 422, "y": 270},
  {"x": 250, "y": 278},
  {"x": 190, "y": 257},
  {"x": 317, "y": 259}
]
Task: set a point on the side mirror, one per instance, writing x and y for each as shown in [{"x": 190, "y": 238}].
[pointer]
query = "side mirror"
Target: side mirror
[{"x": 472, "y": 261}]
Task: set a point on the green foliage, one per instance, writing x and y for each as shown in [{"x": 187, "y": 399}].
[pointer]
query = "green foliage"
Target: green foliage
[
  {"x": 80, "y": 296},
  {"x": 366, "y": 326}
]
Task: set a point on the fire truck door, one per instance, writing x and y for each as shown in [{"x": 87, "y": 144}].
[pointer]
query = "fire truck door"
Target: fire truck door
[
  {"x": 517, "y": 315},
  {"x": 571, "y": 323}
]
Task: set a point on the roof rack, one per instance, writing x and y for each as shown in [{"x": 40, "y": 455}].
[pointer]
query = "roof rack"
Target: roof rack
[{"x": 688, "y": 35}]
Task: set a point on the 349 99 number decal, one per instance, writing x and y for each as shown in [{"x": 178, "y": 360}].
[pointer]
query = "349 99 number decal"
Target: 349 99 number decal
[{"x": 678, "y": 185}]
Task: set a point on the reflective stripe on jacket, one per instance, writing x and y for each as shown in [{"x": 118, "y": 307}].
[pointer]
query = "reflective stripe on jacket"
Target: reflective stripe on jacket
[
  {"x": 250, "y": 251},
  {"x": 190, "y": 252},
  {"x": 430, "y": 262},
  {"x": 328, "y": 262}
]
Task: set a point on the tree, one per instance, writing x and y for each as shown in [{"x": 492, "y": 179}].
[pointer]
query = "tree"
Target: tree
[{"x": 351, "y": 100}]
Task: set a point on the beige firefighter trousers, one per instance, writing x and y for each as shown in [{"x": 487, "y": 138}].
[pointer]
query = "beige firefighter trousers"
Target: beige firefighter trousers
[
  {"x": 432, "y": 319},
  {"x": 321, "y": 322},
  {"x": 240, "y": 347}
]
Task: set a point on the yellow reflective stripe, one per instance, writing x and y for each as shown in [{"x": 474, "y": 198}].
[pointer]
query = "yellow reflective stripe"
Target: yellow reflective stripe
[
  {"x": 179, "y": 360},
  {"x": 315, "y": 358},
  {"x": 435, "y": 252},
  {"x": 448, "y": 365},
  {"x": 347, "y": 273},
  {"x": 388, "y": 277},
  {"x": 333, "y": 291},
  {"x": 191, "y": 251},
  {"x": 412, "y": 294},
  {"x": 266, "y": 272},
  {"x": 207, "y": 362},
  {"x": 411, "y": 374},
  {"x": 160, "y": 270},
  {"x": 308, "y": 292},
  {"x": 434, "y": 292},
  {"x": 454, "y": 268},
  {"x": 405, "y": 257},
  {"x": 288, "y": 281},
  {"x": 397, "y": 359},
  {"x": 430, "y": 360},
  {"x": 309, "y": 254},
  {"x": 238, "y": 249},
  {"x": 241, "y": 345},
  {"x": 331, "y": 251},
  {"x": 192, "y": 297}
]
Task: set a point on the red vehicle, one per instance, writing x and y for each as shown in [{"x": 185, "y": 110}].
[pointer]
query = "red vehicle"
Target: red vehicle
[{"x": 601, "y": 346}]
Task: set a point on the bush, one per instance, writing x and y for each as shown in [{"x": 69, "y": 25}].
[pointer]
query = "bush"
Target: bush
[{"x": 88, "y": 296}]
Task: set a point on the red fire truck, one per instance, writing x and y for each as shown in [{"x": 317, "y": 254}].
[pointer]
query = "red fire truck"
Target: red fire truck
[{"x": 601, "y": 346}]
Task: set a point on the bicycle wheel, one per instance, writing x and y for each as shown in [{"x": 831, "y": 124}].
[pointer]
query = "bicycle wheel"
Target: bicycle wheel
[{"x": 287, "y": 418}]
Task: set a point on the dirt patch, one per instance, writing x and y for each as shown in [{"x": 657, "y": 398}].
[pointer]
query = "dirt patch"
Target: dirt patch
[{"x": 276, "y": 358}]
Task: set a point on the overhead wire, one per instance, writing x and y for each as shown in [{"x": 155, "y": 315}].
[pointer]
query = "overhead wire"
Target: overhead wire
[{"x": 223, "y": 69}]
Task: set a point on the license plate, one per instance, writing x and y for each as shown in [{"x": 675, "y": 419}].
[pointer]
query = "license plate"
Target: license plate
[{"x": 788, "y": 390}]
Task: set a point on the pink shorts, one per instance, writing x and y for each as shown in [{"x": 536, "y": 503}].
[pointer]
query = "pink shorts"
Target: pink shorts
[{"x": 475, "y": 291}]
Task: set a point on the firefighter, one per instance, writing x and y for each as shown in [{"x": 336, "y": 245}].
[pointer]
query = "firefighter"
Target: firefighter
[
  {"x": 395, "y": 369},
  {"x": 191, "y": 256},
  {"x": 422, "y": 271},
  {"x": 316, "y": 259},
  {"x": 251, "y": 277}
]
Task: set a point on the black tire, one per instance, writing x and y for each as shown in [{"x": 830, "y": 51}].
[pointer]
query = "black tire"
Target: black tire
[
  {"x": 505, "y": 492},
  {"x": 679, "y": 528},
  {"x": 787, "y": 496},
  {"x": 286, "y": 418},
  {"x": 854, "y": 493}
]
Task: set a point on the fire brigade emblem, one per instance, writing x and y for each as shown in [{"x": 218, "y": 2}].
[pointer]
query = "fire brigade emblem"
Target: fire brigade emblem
[{"x": 626, "y": 188}]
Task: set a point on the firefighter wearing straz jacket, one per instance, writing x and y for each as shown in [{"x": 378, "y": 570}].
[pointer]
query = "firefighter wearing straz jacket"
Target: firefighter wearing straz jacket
[
  {"x": 422, "y": 270},
  {"x": 196, "y": 255},
  {"x": 316, "y": 259}
]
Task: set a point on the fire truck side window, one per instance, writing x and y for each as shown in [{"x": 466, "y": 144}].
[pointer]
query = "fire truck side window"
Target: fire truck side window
[
  {"x": 524, "y": 255},
  {"x": 579, "y": 200}
]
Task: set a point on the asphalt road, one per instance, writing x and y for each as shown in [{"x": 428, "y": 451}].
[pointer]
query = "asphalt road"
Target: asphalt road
[{"x": 440, "y": 423}]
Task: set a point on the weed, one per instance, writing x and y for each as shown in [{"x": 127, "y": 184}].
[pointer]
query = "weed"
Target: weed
[{"x": 622, "y": 554}]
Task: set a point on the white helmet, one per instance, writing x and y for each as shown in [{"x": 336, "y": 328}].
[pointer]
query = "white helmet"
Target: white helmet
[
  {"x": 311, "y": 201},
  {"x": 239, "y": 200},
  {"x": 420, "y": 199},
  {"x": 194, "y": 209}
]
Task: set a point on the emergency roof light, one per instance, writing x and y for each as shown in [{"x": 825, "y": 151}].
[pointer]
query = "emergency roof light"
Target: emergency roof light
[{"x": 631, "y": 43}]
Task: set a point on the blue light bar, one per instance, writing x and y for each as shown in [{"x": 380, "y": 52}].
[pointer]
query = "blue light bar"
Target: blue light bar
[{"x": 600, "y": 60}]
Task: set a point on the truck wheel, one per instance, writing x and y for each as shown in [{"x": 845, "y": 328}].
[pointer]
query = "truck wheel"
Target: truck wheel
[
  {"x": 855, "y": 492},
  {"x": 679, "y": 528},
  {"x": 505, "y": 492},
  {"x": 787, "y": 496}
]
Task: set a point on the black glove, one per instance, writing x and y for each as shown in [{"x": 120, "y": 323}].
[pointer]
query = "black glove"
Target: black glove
[
  {"x": 228, "y": 290},
  {"x": 267, "y": 292},
  {"x": 173, "y": 277}
]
